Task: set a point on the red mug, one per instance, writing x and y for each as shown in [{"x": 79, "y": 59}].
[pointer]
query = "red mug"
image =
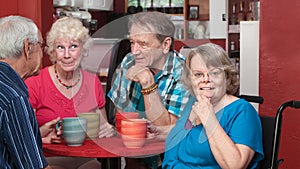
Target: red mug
[
  {"x": 124, "y": 115},
  {"x": 134, "y": 132}
]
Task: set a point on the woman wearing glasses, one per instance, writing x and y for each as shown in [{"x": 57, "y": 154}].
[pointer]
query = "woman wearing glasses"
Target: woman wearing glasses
[{"x": 216, "y": 129}]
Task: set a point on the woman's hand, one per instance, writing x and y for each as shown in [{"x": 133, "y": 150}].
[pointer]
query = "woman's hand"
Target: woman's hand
[
  {"x": 49, "y": 133},
  {"x": 203, "y": 109},
  {"x": 106, "y": 130}
]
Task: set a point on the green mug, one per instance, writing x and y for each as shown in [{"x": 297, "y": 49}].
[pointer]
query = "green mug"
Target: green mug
[{"x": 73, "y": 130}]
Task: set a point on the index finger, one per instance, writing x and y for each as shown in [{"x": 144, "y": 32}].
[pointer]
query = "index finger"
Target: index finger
[
  {"x": 54, "y": 121},
  {"x": 195, "y": 88},
  {"x": 136, "y": 70}
]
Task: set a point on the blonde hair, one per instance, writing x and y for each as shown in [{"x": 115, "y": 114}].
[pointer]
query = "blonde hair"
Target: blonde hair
[
  {"x": 214, "y": 56},
  {"x": 67, "y": 27}
]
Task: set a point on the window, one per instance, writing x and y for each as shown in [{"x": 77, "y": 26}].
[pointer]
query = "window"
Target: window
[{"x": 156, "y": 3}]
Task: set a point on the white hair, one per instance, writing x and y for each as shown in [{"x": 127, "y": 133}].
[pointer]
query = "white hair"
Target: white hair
[{"x": 14, "y": 30}]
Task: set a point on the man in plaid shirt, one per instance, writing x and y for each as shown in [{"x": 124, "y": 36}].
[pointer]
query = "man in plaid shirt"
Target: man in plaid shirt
[{"x": 148, "y": 80}]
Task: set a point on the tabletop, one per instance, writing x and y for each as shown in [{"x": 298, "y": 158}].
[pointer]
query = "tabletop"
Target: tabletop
[{"x": 105, "y": 148}]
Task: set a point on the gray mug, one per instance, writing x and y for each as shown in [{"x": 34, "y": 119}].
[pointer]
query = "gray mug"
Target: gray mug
[{"x": 73, "y": 130}]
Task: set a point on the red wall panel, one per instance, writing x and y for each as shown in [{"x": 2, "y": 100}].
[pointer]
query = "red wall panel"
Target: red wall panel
[
  {"x": 8, "y": 7},
  {"x": 279, "y": 71},
  {"x": 30, "y": 9},
  {"x": 40, "y": 11},
  {"x": 178, "y": 44}
]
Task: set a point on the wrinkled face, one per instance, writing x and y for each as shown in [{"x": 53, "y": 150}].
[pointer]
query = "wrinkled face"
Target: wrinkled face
[
  {"x": 36, "y": 54},
  {"x": 68, "y": 54},
  {"x": 207, "y": 81},
  {"x": 146, "y": 48}
]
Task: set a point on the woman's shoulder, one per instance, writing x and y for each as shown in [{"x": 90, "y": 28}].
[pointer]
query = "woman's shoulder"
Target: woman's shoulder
[
  {"x": 244, "y": 103},
  {"x": 235, "y": 101},
  {"x": 89, "y": 76},
  {"x": 88, "y": 73},
  {"x": 241, "y": 106}
]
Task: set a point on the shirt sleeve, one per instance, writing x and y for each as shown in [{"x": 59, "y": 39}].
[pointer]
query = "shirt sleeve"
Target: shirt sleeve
[
  {"x": 173, "y": 141},
  {"x": 174, "y": 93},
  {"x": 24, "y": 140},
  {"x": 175, "y": 98},
  {"x": 119, "y": 92},
  {"x": 246, "y": 129}
]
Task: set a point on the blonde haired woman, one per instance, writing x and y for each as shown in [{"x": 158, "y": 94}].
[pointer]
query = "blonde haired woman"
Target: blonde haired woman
[{"x": 63, "y": 89}]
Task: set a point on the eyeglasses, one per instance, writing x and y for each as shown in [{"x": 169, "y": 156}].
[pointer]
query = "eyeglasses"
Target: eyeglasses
[
  {"x": 215, "y": 73},
  {"x": 42, "y": 44}
]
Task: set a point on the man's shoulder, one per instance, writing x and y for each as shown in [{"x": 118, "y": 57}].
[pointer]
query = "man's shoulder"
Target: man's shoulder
[
  {"x": 175, "y": 63},
  {"x": 127, "y": 61},
  {"x": 10, "y": 82},
  {"x": 179, "y": 56},
  {"x": 8, "y": 92},
  {"x": 176, "y": 59}
]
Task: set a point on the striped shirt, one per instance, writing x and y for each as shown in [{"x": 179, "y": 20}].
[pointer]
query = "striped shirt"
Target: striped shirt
[
  {"x": 127, "y": 96},
  {"x": 20, "y": 140}
]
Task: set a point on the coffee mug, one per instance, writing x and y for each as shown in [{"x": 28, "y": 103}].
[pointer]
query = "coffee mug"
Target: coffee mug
[
  {"x": 124, "y": 115},
  {"x": 93, "y": 123},
  {"x": 73, "y": 130},
  {"x": 134, "y": 132}
]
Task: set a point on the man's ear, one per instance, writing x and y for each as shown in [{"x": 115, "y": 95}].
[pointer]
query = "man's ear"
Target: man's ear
[
  {"x": 27, "y": 48},
  {"x": 167, "y": 44}
]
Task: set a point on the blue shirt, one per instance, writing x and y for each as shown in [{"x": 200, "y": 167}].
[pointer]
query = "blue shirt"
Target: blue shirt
[
  {"x": 20, "y": 140},
  {"x": 189, "y": 148},
  {"x": 127, "y": 96}
]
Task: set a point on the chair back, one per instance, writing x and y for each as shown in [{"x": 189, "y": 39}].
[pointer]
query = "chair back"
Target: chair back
[
  {"x": 271, "y": 130},
  {"x": 274, "y": 161},
  {"x": 120, "y": 50},
  {"x": 268, "y": 124}
]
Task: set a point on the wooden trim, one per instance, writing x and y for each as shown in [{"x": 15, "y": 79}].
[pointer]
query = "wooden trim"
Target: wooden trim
[{"x": 126, "y": 5}]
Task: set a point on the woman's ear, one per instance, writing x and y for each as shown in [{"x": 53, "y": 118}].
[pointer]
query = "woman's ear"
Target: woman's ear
[{"x": 167, "y": 44}]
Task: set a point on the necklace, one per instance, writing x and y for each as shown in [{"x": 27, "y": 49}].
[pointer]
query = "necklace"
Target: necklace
[{"x": 65, "y": 85}]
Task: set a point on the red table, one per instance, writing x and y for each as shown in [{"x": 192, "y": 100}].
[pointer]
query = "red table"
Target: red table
[{"x": 105, "y": 148}]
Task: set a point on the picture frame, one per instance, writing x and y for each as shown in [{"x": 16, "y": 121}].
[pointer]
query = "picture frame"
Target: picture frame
[{"x": 193, "y": 12}]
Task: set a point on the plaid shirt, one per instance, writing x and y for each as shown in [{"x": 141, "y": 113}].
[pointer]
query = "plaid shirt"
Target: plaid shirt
[{"x": 127, "y": 96}]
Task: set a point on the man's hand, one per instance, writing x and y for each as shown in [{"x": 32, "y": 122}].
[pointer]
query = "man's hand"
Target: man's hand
[
  {"x": 160, "y": 132},
  {"x": 140, "y": 74}
]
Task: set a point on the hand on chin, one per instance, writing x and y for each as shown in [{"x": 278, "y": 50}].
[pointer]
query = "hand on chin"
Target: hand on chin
[{"x": 140, "y": 64}]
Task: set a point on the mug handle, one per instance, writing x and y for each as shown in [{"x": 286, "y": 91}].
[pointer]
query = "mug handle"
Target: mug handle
[{"x": 58, "y": 124}]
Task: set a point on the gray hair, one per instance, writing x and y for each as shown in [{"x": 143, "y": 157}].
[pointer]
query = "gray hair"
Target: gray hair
[
  {"x": 67, "y": 27},
  {"x": 214, "y": 56},
  {"x": 154, "y": 22},
  {"x": 14, "y": 31}
]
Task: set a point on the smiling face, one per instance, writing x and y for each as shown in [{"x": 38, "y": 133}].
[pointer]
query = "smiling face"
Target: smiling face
[
  {"x": 147, "y": 50},
  {"x": 68, "y": 54},
  {"x": 208, "y": 81}
]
